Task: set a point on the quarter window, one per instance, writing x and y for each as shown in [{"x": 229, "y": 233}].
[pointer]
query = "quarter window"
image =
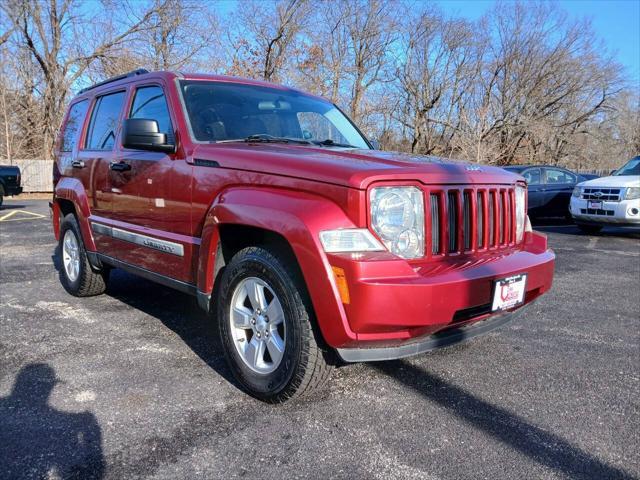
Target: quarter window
[
  {"x": 104, "y": 121},
  {"x": 73, "y": 126},
  {"x": 150, "y": 103}
]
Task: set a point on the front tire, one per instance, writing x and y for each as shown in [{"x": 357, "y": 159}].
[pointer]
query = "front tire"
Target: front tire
[
  {"x": 265, "y": 325},
  {"x": 590, "y": 229},
  {"x": 76, "y": 273}
]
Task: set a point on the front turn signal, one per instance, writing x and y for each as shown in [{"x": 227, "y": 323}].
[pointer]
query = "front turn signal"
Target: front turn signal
[{"x": 341, "y": 282}]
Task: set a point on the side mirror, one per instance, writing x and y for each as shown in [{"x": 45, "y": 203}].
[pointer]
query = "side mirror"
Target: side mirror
[
  {"x": 375, "y": 144},
  {"x": 144, "y": 134}
]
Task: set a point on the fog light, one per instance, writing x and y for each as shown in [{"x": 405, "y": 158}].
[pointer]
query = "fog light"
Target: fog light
[{"x": 633, "y": 211}]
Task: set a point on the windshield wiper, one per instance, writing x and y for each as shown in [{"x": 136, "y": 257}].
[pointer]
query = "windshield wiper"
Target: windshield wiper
[
  {"x": 330, "y": 143},
  {"x": 263, "y": 137}
]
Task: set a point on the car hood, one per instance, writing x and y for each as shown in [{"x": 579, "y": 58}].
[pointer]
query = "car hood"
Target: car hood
[
  {"x": 613, "y": 181},
  {"x": 356, "y": 168}
]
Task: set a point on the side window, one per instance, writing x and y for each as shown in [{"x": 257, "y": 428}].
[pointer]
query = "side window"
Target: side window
[
  {"x": 315, "y": 126},
  {"x": 151, "y": 104},
  {"x": 104, "y": 122},
  {"x": 532, "y": 176},
  {"x": 73, "y": 126},
  {"x": 559, "y": 176}
]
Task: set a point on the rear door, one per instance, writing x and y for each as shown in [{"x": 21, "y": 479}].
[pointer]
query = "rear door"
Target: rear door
[
  {"x": 558, "y": 188},
  {"x": 535, "y": 187},
  {"x": 96, "y": 154}
]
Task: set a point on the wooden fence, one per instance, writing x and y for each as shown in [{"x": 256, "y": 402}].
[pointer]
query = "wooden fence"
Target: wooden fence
[{"x": 37, "y": 175}]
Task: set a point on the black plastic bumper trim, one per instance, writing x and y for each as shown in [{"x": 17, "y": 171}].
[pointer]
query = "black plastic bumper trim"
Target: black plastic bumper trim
[{"x": 443, "y": 339}]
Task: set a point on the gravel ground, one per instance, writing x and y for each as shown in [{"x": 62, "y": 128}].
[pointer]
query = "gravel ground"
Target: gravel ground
[{"x": 132, "y": 384}]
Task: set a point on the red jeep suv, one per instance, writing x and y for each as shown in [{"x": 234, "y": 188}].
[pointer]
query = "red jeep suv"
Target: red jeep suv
[{"x": 271, "y": 207}]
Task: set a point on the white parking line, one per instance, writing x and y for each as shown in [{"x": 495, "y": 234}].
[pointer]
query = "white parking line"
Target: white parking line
[{"x": 26, "y": 215}]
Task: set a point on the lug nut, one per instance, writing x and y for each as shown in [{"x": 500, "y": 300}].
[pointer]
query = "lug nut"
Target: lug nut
[
  {"x": 258, "y": 334},
  {"x": 253, "y": 321}
]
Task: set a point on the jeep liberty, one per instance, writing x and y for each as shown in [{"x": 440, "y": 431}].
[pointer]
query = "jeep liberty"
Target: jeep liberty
[{"x": 308, "y": 246}]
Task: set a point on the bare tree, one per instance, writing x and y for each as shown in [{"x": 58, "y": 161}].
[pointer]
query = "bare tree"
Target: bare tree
[
  {"x": 542, "y": 74},
  {"x": 522, "y": 84},
  {"x": 436, "y": 74},
  {"x": 268, "y": 30},
  {"x": 52, "y": 33}
]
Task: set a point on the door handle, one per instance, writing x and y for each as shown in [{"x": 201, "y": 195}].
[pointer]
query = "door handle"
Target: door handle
[
  {"x": 120, "y": 166},
  {"x": 77, "y": 164}
]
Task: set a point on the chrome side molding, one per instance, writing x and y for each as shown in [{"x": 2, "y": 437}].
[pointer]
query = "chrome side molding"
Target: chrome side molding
[{"x": 150, "y": 242}]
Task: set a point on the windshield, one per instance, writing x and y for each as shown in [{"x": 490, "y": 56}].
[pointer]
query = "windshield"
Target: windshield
[
  {"x": 631, "y": 168},
  {"x": 227, "y": 112}
]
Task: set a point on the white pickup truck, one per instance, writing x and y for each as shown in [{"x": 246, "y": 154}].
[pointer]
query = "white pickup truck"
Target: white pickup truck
[{"x": 613, "y": 200}]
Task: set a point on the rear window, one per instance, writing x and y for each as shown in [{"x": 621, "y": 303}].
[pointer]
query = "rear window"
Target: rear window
[
  {"x": 73, "y": 126},
  {"x": 104, "y": 122}
]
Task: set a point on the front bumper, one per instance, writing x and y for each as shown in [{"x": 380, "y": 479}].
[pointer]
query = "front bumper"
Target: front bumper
[
  {"x": 445, "y": 338},
  {"x": 13, "y": 190},
  {"x": 624, "y": 212},
  {"x": 393, "y": 303}
]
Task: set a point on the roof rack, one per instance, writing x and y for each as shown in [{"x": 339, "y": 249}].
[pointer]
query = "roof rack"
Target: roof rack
[{"x": 139, "y": 71}]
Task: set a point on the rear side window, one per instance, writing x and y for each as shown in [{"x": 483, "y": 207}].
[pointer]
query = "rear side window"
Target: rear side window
[
  {"x": 151, "y": 104},
  {"x": 559, "y": 176},
  {"x": 73, "y": 126},
  {"x": 104, "y": 122}
]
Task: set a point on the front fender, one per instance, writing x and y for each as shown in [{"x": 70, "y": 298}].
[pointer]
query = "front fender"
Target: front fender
[
  {"x": 72, "y": 189},
  {"x": 299, "y": 218}
]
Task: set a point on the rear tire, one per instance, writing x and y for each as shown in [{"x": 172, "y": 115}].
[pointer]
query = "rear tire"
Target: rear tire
[
  {"x": 590, "y": 229},
  {"x": 76, "y": 273},
  {"x": 288, "y": 361}
]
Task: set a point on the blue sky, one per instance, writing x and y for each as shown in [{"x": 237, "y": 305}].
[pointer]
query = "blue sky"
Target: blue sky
[{"x": 616, "y": 22}]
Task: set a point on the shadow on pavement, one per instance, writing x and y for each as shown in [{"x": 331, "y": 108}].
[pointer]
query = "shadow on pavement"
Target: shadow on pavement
[
  {"x": 539, "y": 445},
  {"x": 6, "y": 206},
  {"x": 39, "y": 441},
  {"x": 177, "y": 311}
]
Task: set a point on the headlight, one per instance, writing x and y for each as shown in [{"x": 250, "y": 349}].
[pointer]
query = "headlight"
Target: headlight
[
  {"x": 349, "y": 240},
  {"x": 577, "y": 191},
  {"x": 521, "y": 212},
  {"x": 397, "y": 216},
  {"x": 632, "y": 193}
]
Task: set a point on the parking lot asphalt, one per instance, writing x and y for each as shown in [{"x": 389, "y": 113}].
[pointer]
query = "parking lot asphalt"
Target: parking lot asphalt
[{"x": 132, "y": 384}]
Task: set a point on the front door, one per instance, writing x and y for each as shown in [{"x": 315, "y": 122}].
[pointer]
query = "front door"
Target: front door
[{"x": 151, "y": 191}]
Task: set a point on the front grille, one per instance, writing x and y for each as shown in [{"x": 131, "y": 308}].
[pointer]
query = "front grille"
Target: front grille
[
  {"x": 604, "y": 194},
  {"x": 464, "y": 220},
  {"x": 452, "y": 217},
  {"x": 597, "y": 211},
  {"x": 435, "y": 223}
]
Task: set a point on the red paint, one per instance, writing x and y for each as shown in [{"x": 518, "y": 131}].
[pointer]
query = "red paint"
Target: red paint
[{"x": 296, "y": 191}]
